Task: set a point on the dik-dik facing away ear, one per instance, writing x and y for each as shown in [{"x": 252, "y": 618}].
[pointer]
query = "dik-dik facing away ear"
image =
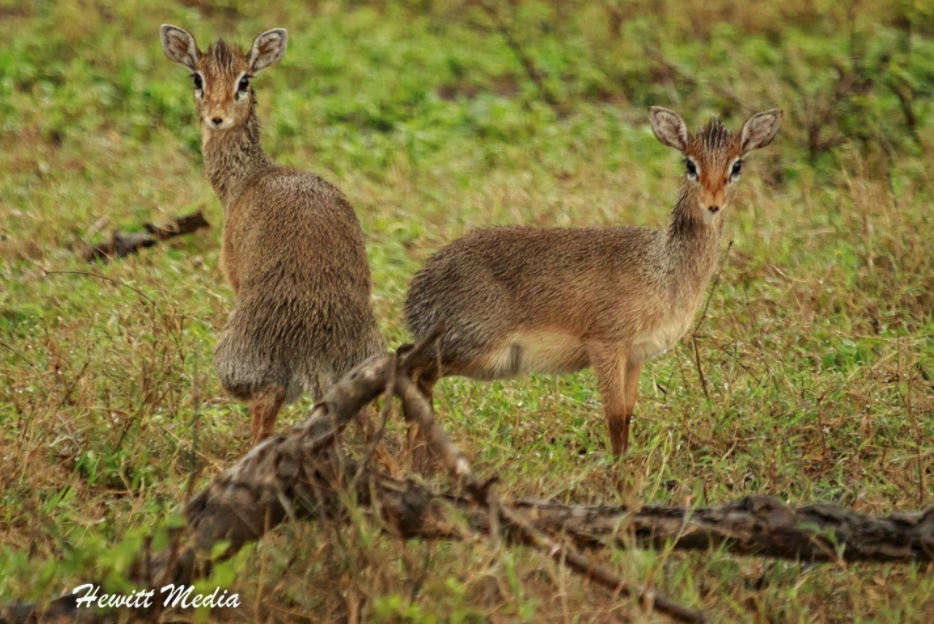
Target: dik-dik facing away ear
[
  {"x": 669, "y": 128},
  {"x": 179, "y": 46},
  {"x": 759, "y": 130},
  {"x": 267, "y": 49}
]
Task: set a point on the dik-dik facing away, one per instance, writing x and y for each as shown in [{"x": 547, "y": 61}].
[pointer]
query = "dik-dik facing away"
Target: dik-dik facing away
[
  {"x": 292, "y": 246},
  {"x": 518, "y": 300}
]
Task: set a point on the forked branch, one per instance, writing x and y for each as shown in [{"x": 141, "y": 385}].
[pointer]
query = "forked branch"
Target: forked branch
[{"x": 299, "y": 475}]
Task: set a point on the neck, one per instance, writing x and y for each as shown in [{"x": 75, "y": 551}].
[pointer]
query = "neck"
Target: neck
[
  {"x": 691, "y": 248},
  {"x": 231, "y": 156}
]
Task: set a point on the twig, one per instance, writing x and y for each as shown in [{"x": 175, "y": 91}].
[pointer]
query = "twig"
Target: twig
[
  {"x": 13, "y": 349},
  {"x": 450, "y": 21},
  {"x": 383, "y": 418},
  {"x": 906, "y": 100},
  {"x": 602, "y": 576},
  {"x": 671, "y": 68},
  {"x": 104, "y": 278},
  {"x": 713, "y": 288},
  {"x": 524, "y": 59},
  {"x": 700, "y": 369},
  {"x": 418, "y": 407}
]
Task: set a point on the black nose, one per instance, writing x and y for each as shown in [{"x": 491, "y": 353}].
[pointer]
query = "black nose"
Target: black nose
[
  {"x": 713, "y": 209},
  {"x": 217, "y": 121}
]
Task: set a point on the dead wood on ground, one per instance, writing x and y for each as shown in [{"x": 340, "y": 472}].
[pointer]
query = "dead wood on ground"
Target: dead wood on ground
[
  {"x": 121, "y": 245},
  {"x": 304, "y": 475}
]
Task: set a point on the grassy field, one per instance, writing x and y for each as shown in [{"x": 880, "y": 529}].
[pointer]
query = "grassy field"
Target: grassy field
[{"x": 817, "y": 347}]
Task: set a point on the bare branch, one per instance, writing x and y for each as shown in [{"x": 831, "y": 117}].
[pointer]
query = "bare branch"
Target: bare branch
[
  {"x": 121, "y": 244},
  {"x": 296, "y": 476},
  {"x": 528, "y": 65}
]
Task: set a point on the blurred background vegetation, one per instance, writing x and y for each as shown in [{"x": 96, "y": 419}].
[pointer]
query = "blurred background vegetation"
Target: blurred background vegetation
[{"x": 435, "y": 116}]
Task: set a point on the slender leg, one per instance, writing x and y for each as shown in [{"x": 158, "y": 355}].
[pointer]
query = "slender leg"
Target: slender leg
[
  {"x": 417, "y": 447},
  {"x": 618, "y": 379},
  {"x": 427, "y": 386},
  {"x": 256, "y": 420},
  {"x": 369, "y": 421},
  {"x": 263, "y": 414},
  {"x": 608, "y": 365},
  {"x": 631, "y": 374}
]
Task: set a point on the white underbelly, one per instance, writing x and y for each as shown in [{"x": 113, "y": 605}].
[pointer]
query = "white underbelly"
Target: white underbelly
[
  {"x": 655, "y": 343},
  {"x": 556, "y": 353},
  {"x": 551, "y": 353}
]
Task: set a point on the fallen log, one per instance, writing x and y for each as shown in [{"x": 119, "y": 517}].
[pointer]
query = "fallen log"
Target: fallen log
[
  {"x": 247, "y": 499},
  {"x": 121, "y": 244},
  {"x": 302, "y": 476}
]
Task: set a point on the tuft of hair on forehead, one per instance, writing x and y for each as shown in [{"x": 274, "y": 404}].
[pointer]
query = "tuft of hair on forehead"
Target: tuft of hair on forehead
[
  {"x": 714, "y": 135},
  {"x": 223, "y": 55}
]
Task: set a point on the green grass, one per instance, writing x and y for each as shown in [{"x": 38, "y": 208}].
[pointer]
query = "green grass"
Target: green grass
[{"x": 817, "y": 347}]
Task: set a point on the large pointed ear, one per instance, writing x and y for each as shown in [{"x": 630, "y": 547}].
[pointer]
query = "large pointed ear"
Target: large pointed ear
[
  {"x": 268, "y": 49},
  {"x": 179, "y": 46},
  {"x": 759, "y": 130},
  {"x": 669, "y": 128}
]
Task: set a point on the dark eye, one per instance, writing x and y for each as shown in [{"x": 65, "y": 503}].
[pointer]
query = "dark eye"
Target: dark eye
[
  {"x": 244, "y": 84},
  {"x": 737, "y": 167},
  {"x": 199, "y": 84},
  {"x": 692, "y": 169}
]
